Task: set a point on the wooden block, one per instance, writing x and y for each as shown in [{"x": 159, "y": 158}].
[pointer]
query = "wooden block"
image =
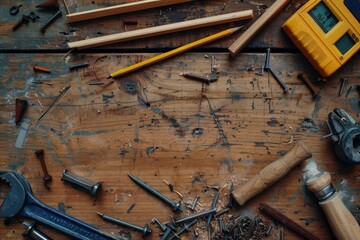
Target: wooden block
[
  {"x": 257, "y": 26},
  {"x": 123, "y": 8},
  {"x": 163, "y": 29}
]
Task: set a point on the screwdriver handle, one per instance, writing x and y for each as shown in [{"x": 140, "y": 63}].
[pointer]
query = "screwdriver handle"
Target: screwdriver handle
[
  {"x": 271, "y": 173},
  {"x": 342, "y": 222}
]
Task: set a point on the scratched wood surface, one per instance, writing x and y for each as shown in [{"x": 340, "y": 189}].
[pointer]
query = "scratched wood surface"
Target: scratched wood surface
[
  {"x": 59, "y": 33},
  {"x": 159, "y": 126}
]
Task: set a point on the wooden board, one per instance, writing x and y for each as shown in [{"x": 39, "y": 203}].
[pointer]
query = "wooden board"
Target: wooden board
[
  {"x": 103, "y": 134},
  {"x": 59, "y": 33}
]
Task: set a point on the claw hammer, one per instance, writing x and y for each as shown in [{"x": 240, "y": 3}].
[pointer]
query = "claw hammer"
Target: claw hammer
[{"x": 271, "y": 173}]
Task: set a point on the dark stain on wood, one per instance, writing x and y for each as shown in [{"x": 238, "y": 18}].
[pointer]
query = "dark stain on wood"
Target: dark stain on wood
[
  {"x": 309, "y": 124},
  {"x": 272, "y": 122},
  {"x": 259, "y": 144},
  {"x": 130, "y": 86},
  {"x": 108, "y": 97},
  {"x": 150, "y": 150},
  {"x": 227, "y": 164}
]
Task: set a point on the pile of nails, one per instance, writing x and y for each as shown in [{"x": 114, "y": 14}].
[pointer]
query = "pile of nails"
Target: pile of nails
[{"x": 243, "y": 228}]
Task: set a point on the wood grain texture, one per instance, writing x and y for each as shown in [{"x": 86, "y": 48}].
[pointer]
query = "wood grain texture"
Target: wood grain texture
[
  {"x": 266, "y": 17},
  {"x": 59, "y": 33},
  {"x": 157, "y": 125},
  {"x": 118, "y": 9},
  {"x": 162, "y": 30},
  {"x": 342, "y": 222}
]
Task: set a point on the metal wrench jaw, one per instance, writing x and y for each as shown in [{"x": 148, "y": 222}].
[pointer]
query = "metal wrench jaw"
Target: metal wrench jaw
[
  {"x": 21, "y": 202},
  {"x": 15, "y": 198},
  {"x": 346, "y": 136}
]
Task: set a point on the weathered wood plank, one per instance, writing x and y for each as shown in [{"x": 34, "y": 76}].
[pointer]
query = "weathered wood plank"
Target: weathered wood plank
[
  {"x": 103, "y": 134},
  {"x": 59, "y": 33}
]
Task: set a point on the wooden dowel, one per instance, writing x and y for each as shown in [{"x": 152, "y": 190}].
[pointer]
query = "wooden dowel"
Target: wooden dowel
[
  {"x": 174, "y": 52},
  {"x": 271, "y": 12},
  {"x": 163, "y": 29},
  {"x": 122, "y": 8},
  {"x": 288, "y": 222}
]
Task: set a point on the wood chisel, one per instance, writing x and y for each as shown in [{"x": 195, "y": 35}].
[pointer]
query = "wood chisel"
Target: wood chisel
[{"x": 342, "y": 222}]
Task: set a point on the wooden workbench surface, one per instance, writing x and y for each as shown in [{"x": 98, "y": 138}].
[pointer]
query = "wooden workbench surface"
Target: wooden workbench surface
[{"x": 157, "y": 125}]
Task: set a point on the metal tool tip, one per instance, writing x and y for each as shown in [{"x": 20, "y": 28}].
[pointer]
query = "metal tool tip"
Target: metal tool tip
[
  {"x": 100, "y": 214},
  {"x": 109, "y": 77},
  {"x": 26, "y": 224}
]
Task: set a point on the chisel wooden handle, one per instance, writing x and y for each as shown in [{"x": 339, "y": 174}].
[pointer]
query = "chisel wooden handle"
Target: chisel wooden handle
[
  {"x": 342, "y": 222},
  {"x": 271, "y": 173}
]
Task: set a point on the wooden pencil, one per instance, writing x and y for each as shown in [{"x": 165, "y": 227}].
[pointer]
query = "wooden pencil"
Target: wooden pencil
[{"x": 174, "y": 52}]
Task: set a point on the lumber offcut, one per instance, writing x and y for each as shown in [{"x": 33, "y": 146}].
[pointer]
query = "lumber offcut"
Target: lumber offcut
[
  {"x": 271, "y": 12},
  {"x": 163, "y": 29},
  {"x": 122, "y": 8}
]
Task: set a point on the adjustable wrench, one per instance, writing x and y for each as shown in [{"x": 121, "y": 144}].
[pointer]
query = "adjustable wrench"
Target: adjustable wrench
[{"x": 20, "y": 201}]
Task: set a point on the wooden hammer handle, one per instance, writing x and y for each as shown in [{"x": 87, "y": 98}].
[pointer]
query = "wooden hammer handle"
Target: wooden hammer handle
[
  {"x": 342, "y": 222},
  {"x": 271, "y": 173}
]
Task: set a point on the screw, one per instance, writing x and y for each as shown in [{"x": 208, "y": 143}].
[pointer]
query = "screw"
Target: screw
[
  {"x": 268, "y": 230},
  {"x": 92, "y": 188},
  {"x": 47, "y": 177},
  {"x": 267, "y": 59},
  {"x": 96, "y": 83},
  {"x": 207, "y": 79},
  {"x": 221, "y": 224},
  {"x": 23, "y": 19},
  {"x": 213, "y": 205},
  {"x": 145, "y": 230},
  {"x": 268, "y": 69},
  {"x": 175, "y": 206},
  {"x": 48, "y": 22},
  {"x": 33, "y": 233},
  {"x": 196, "y": 199},
  {"x": 315, "y": 91},
  {"x": 278, "y": 79},
  {"x": 221, "y": 212},
  {"x": 170, "y": 228},
  {"x": 41, "y": 69},
  {"x": 343, "y": 82},
  {"x": 261, "y": 71},
  {"x": 80, "y": 65},
  {"x": 195, "y": 216},
  {"x": 162, "y": 227},
  {"x": 186, "y": 228}
]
